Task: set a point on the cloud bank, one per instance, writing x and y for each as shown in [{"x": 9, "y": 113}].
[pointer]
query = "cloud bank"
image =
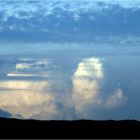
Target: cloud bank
[
  {"x": 25, "y": 98},
  {"x": 37, "y": 99}
]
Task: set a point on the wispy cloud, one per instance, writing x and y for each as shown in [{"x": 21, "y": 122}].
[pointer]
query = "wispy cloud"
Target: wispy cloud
[
  {"x": 15, "y": 74},
  {"x": 23, "y": 84}
]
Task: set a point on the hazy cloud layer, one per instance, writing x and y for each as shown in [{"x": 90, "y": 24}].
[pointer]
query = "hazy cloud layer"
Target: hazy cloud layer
[
  {"x": 39, "y": 98},
  {"x": 27, "y": 67},
  {"x": 83, "y": 20}
]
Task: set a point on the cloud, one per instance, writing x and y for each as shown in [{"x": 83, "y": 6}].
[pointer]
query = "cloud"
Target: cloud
[
  {"x": 30, "y": 68},
  {"x": 23, "y": 84},
  {"x": 123, "y": 3},
  {"x": 31, "y": 99},
  {"x": 87, "y": 94},
  {"x": 91, "y": 68},
  {"x": 116, "y": 99},
  {"x": 23, "y": 66},
  {"x": 13, "y": 74},
  {"x": 32, "y": 64},
  {"x": 17, "y": 9},
  {"x": 43, "y": 99},
  {"x": 26, "y": 102},
  {"x": 27, "y": 97},
  {"x": 86, "y": 83}
]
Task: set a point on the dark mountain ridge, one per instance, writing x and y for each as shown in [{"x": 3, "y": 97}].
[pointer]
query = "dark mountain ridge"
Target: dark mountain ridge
[{"x": 69, "y": 129}]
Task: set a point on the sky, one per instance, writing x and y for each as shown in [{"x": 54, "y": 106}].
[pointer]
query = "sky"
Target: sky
[
  {"x": 43, "y": 21},
  {"x": 70, "y": 60}
]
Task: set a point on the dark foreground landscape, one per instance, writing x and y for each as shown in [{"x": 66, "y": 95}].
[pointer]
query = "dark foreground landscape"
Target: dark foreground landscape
[{"x": 14, "y": 128}]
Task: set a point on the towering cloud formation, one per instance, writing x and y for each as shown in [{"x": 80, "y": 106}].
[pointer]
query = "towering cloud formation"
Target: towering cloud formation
[
  {"x": 86, "y": 88},
  {"x": 86, "y": 83}
]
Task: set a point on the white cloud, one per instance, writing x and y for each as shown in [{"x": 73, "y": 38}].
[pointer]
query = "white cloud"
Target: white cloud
[
  {"x": 23, "y": 66},
  {"x": 26, "y": 102},
  {"x": 35, "y": 64},
  {"x": 33, "y": 101},
  {"x": 116, "y": 99},
  {"x": 13, "y": 74},
  {"x": 29, "y": 99},
  {"x": 23, "y": 84},
  {"x": 26, "y": 98},
  {"x": 86, "y": 83},
  {"x": 91, "y": 68},
  {"x": 30, "y": 68}
]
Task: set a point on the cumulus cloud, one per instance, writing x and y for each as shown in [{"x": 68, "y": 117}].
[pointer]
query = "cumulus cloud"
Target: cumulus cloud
[
  {"x": 86, "y": 83},
  {"x": 26, "y": 97},
  {"x": 31, "y": 99},
  {"x": 116, "y": 99},
  {"x": 35, "y": 103},
  {"x": 26, "y": 102}
]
